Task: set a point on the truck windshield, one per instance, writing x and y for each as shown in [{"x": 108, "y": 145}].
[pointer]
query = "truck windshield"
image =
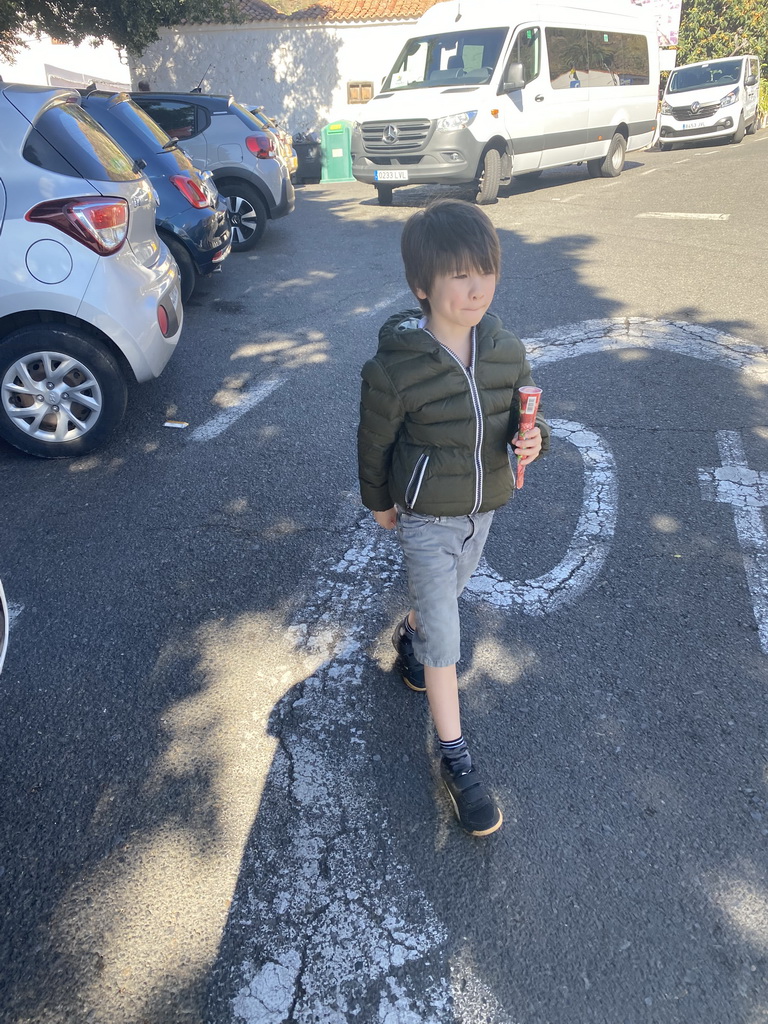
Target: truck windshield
[
  {"x": 463, "y": 58},
  {"x": 706, "y": 76}
]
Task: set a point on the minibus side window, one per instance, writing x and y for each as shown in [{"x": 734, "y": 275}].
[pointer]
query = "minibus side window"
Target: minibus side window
[
  {"x": 526, "y": 50},
  {"x": 568, "y": 57},
  {"x": 617, "y": 58}
]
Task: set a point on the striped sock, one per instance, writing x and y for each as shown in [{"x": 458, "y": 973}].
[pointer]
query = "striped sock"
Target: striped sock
[
  {"x": 456, "y": 754},
  {"x": 408, "y": 629}
]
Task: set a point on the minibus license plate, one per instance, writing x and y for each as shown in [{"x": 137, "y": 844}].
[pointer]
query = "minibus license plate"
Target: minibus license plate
[
  {"x": 689, "y": 125},
  {"x": 390, "y": 175}
]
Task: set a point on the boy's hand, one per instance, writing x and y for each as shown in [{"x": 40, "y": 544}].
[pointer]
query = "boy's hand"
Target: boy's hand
[
  {"x": 388, "y": 519},
  {"x": 527, "y": 448}
]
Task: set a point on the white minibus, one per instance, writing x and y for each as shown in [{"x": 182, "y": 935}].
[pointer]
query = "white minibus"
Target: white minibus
[
  {"x": 709, "y": 100},
  {"x": 485, "y": 90}
]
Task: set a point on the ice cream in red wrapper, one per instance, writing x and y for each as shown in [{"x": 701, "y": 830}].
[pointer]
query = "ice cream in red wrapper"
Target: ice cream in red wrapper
[{"x": 529, "y": 406}]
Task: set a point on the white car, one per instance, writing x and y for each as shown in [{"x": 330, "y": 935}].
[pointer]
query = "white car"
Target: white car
[
  {"x": 712, "y": 99},
  {"x": 89, "y": 296}
]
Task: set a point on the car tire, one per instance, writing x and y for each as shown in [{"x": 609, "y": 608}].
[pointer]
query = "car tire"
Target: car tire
[
  {"x": 665, "y": 147},
  {"x": 752, "y": 126},
  {"x": 63, "y": 360},
  {"x": 247, "y": 214},
  {"x": 187, "y": 272},
  {"x": 741, "y": 130},
  {"x": 384, "y": 192},
  {"x": 490, "y": 178}
]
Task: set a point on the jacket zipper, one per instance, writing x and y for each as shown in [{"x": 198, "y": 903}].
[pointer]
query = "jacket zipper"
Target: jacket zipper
[
  {"x": 417, "y": 478},
  {"x": 477, "y": 409}
]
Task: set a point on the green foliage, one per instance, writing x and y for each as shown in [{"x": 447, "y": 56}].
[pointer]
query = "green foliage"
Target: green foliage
[
  {"x": 130, "y": 24},
  {"x": 763, "y": 101},
  {"x": 714, "y": 28}
]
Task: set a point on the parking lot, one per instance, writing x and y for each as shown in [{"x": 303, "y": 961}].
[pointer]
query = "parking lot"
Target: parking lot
[{"x": 220, "y": 802}]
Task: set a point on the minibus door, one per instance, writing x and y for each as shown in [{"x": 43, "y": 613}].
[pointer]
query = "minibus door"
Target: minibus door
[
  {"x": 517, "y": 99},
  {"x": 564, "y": 96}
]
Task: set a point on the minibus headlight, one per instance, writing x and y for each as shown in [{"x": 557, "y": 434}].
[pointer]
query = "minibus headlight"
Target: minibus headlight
[
  {"x": 732, "y": 97},
  {"x": 666, "y": 108},
  {"x": 456, "y": 121}
]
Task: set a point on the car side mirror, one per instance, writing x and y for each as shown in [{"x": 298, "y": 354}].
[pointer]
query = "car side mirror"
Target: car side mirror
[
  {"x": 514, "y": 78},
  {"x": 751, "y": 80}
]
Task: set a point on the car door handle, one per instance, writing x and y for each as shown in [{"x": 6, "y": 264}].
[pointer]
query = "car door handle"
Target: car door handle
[{"x": 539, "y": 98}]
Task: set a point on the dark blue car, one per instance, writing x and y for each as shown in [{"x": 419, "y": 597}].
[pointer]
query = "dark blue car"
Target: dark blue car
[{"x": 192, "y": 218}]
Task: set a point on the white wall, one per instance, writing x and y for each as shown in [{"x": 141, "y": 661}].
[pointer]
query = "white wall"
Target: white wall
[
  {"x": 44, "y": 62},
  {"x": 297, "y": 72}
]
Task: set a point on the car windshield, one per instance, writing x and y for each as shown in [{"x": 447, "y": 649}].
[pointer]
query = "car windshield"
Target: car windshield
[
  {"x": 705, "y": 76},
  {"x": 456, "y": 58}
]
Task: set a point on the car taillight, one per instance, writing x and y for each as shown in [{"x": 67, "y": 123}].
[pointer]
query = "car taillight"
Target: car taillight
[
  {"x": 100, "y": 224},
  {"x": 192, "y": 190},
  {"x": 260, "y": 144}
]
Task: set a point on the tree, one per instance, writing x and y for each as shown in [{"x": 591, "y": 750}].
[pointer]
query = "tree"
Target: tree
[
  {"x": 714, "y": 28},
  {"x": 130, "y": 24}
]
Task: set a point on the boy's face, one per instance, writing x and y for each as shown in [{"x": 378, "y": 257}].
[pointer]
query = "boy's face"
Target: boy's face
[{"x": 458, "y": 302}]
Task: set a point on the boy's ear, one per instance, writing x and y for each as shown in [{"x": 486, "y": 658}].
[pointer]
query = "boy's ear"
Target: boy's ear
[{"x": 420, "y": 294}]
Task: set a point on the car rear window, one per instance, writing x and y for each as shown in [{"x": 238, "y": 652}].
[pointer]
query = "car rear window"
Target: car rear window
[
  {"x": 129, "y": 123},
  {"x": 66, "y": 140}
]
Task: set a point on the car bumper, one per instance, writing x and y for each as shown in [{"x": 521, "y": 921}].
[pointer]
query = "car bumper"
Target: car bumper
[
  {"x": 670, "y": 130},
  {"x": 287, "y": 199},
  {"x": 136, "y": 293}
]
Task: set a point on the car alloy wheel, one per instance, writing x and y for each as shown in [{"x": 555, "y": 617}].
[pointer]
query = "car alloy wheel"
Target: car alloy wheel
[
  {"x": 247, "y": 214},
  {"x": 61, "y": 393}
]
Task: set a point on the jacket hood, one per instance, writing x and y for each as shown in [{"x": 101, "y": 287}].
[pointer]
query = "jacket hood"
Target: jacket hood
[{"x": 402, "y": 332}]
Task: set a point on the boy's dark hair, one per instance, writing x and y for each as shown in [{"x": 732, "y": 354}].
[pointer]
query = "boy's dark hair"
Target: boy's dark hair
[{"x": 450, "y": 236}]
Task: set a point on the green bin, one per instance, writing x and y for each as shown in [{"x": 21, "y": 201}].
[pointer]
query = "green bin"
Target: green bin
[{"x": 337, "y": 151}]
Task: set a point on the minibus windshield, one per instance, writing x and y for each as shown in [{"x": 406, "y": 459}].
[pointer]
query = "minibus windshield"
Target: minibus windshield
[
  {"x": 706, "y": 76},
  {"x": 455, "y": 58}
]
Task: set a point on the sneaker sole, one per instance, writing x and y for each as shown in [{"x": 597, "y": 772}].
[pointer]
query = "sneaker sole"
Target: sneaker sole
[
  {"x": 472, "y": 832},
  {"x": 412, "y": 686}
]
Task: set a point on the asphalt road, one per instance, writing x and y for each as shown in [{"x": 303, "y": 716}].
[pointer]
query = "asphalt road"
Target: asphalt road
[{"x": 221, "y": 806}]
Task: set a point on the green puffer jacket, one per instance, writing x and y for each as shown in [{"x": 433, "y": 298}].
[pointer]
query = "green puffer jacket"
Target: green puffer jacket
[{"x": 433, "y": 435}]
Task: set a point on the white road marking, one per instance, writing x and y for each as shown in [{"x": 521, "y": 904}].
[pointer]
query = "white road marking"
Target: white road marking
[
  {"x": 685, "y": 160},
  {"x": 746, "y": 490},
  {"x": 686, "y": 216},
  {"x": 651, "y": 171},
  {"x": 587, "y": 551},
  {"x": 221, "y": 421},
  {"x": 567, "y": 199},
  {"x": 388, "y": 303},
  {"x": 326, "y": 928}
]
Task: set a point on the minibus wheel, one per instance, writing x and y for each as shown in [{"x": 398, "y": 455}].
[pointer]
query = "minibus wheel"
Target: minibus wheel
[
  {"x": 613, "y": 163},
  {"x": 741, "y": 130},
  {"x": 488, "y": 185}
]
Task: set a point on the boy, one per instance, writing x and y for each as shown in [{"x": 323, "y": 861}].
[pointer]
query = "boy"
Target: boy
[{"x": 439, "y": 406}]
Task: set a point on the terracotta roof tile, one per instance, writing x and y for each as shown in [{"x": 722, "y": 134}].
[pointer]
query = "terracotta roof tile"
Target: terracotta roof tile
[{"x": 332, "y": 10}]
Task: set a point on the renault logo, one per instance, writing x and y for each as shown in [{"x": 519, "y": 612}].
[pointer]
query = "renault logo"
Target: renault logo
[
  {"x": 695, "y": 107},
  {"x": 390, "y": 134}
]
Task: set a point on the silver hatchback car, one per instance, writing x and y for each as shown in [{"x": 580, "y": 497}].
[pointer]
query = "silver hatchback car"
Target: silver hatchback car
[
  {"x": 89, "y": 296},
  {"x": 223, "y": 137}
]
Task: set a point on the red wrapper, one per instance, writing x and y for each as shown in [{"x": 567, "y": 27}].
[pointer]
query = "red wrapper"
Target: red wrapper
[{"x": 529, "y": 406}]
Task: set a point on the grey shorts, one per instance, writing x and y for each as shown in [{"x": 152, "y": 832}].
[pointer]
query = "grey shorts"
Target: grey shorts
[{"x": 441, "y": 553}]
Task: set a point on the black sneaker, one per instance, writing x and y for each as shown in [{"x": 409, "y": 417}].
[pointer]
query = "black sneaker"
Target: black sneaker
[
  {"x": 473, "y": 804},
  {"x": 407, "y": 664}
]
